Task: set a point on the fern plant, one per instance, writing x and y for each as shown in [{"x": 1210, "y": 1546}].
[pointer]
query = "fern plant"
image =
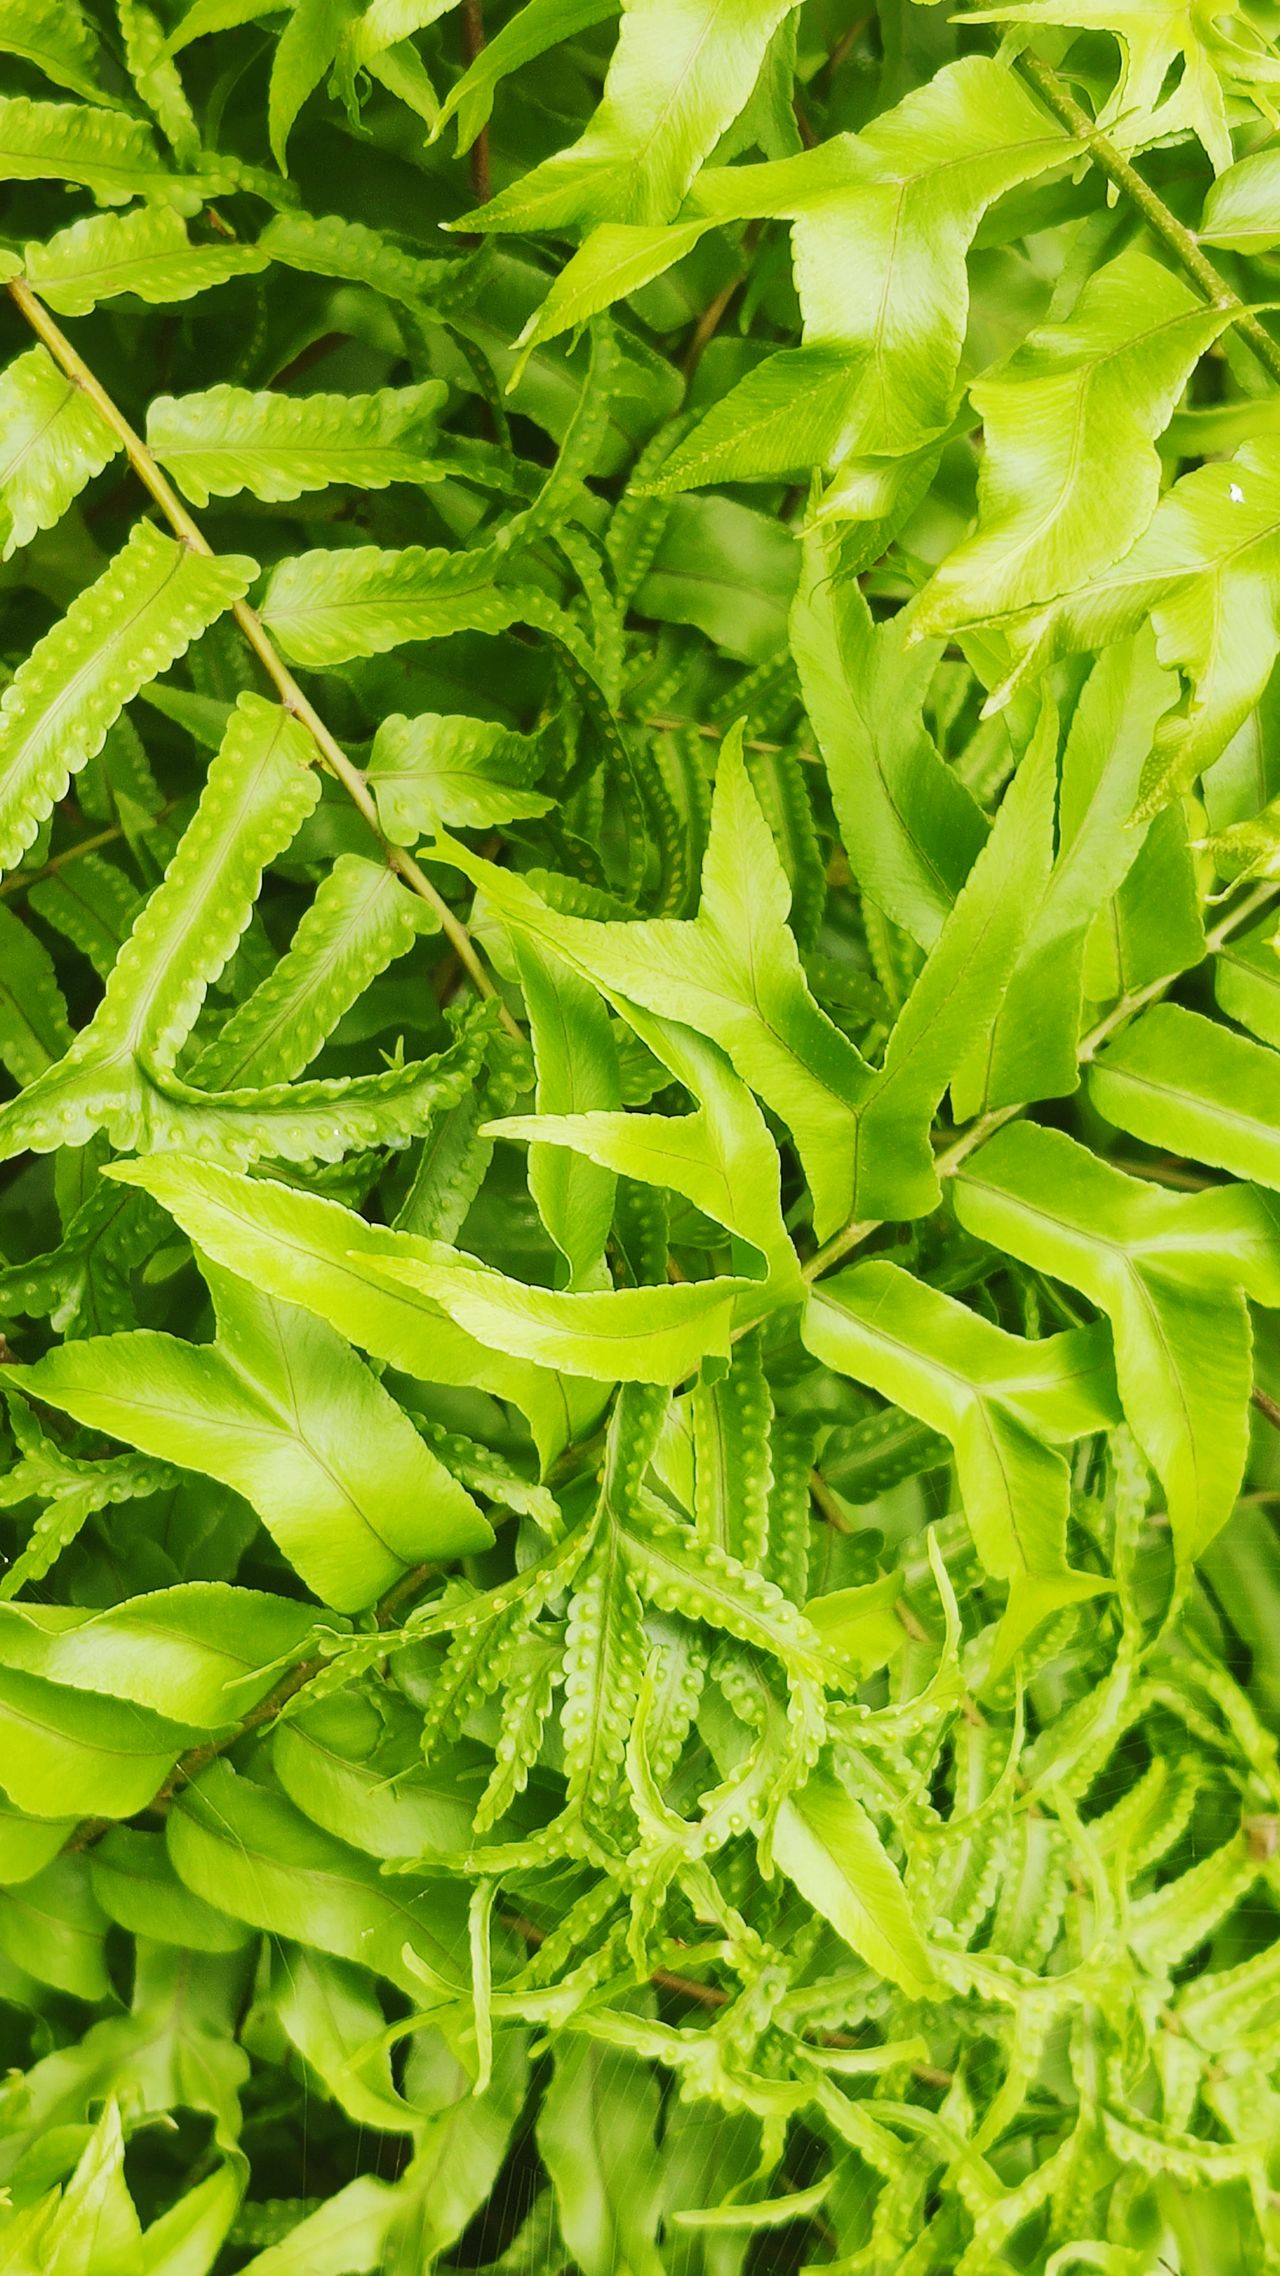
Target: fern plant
[{"x": 639, "y": 843}]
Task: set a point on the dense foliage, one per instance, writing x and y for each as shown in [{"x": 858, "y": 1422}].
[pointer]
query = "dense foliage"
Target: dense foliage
[{"x": 640, "y": 821}]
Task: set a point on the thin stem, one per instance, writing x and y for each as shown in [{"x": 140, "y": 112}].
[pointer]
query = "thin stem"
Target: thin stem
[
  {"x": 329, "y": 750},
  {"x": 1267, "y": 1406},
  {"x": 1163, "y": 224},
  {"x": 824, "y": 1500},
  {"x": 20, "y": 880},
  {"x": 473, "y": 40}
]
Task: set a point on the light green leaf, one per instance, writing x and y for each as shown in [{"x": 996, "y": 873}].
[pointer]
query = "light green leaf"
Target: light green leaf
[
  {"x": 596, "y": 2130},
  {"x": 1205, "y": 574},
  {"x": 1031, "y": 1051},
  {"x": 1246, "y": 981},
  {"x": 1168, "y": 1270},
  {"x": 360, "y": 920},
  {"x": 1178, "y": 1080},
  {"x": 345, "y": 2236},
  {"x": 464, "y": 773},
  {"x": 33, "y": 1016},
  {"x": 114, "y": 156},
  {"x": 136, "y": 1886},
  {"x": 721, "y": 1158},
  {"x": 1070, "y": 473},
  {"x": 204, "y": 1652},
  {"x": 146, "y": 252},
  {"x": 76, "y": 1753},
  {"x": 998, "y": 1399},
  {"x": 825, "y": 1842},
  {"x": 131, "y": 624},
  {"x": 1171, "y": 39},
  {"x": 328, "y": 245},
  {"x": 278, "y": 446},
  {"x": 324, "y": 608},
  {"x": 58, "y": 39},
  {"x": 538, "y": 25},
  {"x": 307, "y": 47},
  {"x": 577, "y": 1073},
  {"x": 951, "y": 1009},
  {"x": 250, "y": 1853},
  {"x": 1240, "y": 210},
  {"x": 882, "y": 223},
  {"x": 674, "y": 84},
  {"x": 619, "y": 1335},
  {"x": 618, "y": 259},
  {"x": 281, "y": 1409},
  {"x": 54, "y": 441},
  {"x": 733, "y": 973},
  {"x": 910, "y": 828}
]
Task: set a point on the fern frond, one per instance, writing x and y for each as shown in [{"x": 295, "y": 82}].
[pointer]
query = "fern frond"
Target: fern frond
[
  {"x": 123, "y": 630},
  {"x": 146, "y": 252},
  {"x": 114, "y": 156},
  {"x": 52, "y": 441},
  {"x": 278, "y": 446}
]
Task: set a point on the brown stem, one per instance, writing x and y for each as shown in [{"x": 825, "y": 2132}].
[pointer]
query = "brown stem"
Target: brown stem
[
  {"x": 1267, "y": 1406},
  {"x": 328, "y": 749},
  {"x": 711, "y": 1995},
  {"x": 473, "y": 40}
]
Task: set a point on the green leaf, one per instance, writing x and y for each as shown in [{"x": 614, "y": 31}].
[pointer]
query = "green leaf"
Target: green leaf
[
  {"x": 1032, "y": 1050},
  {"x": 1204, "y": 574},
  {"x": 329, "y": 245},
  {"x": 251, "y": 1854},
  {"x": 114, "y": 156},
  {"x": 721, "y": 1158},
  {"x": 910, "y": 828},
  {"x": 130, "y": 625},
  {"x": 33, "y": 1015},
  {"x": 1240, "y": 210},
  {"x": 68, "y": 1752},
  {"x": 282, "y": 1410},
  {"x": 1179, "y": 39},
  {"x": 674, "y": 85},
  {"x": 1071, "y": 418},
  {"x": 308, "y": 45},
  {"x": 825, "y": 1842},
  {"x": 146, "y": 252},
  {"x": 1168, "y": 1270},
  {"x": 360, "y": 920},
  {"x": 596, "y": 2132},
  {"x": 577, "y": 1073},
  {"x": 324, "y": 608},
  {"x": 1180, "y": 1081},
  {"x": 301, "y": 1249},
  {"x": 953, "y": 1006},
  {"x": 998, "y": 1399},
  {"x": 279, "y": 446},
  {"x": 538, "y": 25},
  {"x": 882, "y": 222},
  {"x": 204, "y": 1653},
  {"x": 733, "y": 973},
  {"x": 464, "y": 773},
  {"x": 1246, "y": 981},
  {"x": 55, "y": 441},
  {"x": 619, "y": 1335},
  {"x": 59, "y": 40}
]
